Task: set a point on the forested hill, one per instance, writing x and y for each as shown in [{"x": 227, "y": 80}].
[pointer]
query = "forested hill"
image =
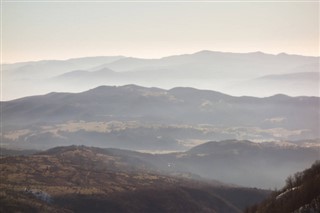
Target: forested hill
[{"x": 300, "y": 194}]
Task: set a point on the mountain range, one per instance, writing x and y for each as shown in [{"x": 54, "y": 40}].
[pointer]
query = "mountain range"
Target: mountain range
[
  {"x": 232, "y": 73},
  {"x": 140, "y": 118},
  {"x": 184, "y": 133}
]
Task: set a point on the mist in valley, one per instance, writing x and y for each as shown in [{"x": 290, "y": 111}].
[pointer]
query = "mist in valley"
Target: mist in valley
[
  {"x": 159, "y": 107},
  {"x": 129, "y": 120}
]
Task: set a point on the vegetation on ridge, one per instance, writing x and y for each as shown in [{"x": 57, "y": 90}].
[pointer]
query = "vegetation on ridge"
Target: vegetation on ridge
[
  {"x": 300, "y": 194},
  {"x": 83, "y": 179}
]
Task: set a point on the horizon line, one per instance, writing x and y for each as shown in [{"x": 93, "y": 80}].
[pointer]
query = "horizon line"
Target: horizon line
[{"x": 160, "y": 57}]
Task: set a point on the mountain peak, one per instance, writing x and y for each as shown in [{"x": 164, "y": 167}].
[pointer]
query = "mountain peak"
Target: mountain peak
[
  {"x": 210, "y": 53},
  {"x": 283, "y": 54},
  {"x": 132, "y": 87},
  {"x": 205, "y": 52}
]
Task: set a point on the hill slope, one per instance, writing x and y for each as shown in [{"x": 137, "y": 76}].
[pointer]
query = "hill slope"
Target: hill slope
[
  {"x": 82, "y": 179},
  {"x": 264, "y": 165},
  {"x": 300, "y": 194}
]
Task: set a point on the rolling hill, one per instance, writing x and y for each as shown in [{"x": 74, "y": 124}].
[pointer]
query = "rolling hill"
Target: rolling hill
[
  {"x": 135, "y": 117},
  {"x": 264, "y": 165},
  {"x": 82, "y": 179}
]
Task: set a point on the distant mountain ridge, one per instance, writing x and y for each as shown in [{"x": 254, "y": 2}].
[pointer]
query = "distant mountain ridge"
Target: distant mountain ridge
[
  {"x": 292, "y": 76},
  {"x": 221, "y": 71},
  {"x": 140, "y": 118},
  {"x": 144, "y": 102},
  {"x": 305, "y": 82}
]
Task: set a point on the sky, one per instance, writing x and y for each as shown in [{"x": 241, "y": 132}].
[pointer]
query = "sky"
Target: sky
[{"x": 34, "y": 30}]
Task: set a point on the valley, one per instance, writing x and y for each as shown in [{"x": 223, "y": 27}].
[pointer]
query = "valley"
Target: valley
[{"x": 159, "y": 106}]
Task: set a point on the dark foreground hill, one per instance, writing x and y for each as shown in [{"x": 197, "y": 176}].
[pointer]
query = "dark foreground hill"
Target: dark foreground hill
[
  {"x": 300, "y": 194},
  {"x": 82, "y": 179},
  {"x": 245, "y": 163}
]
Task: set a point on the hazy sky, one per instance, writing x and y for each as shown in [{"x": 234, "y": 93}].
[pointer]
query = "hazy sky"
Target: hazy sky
[{"x": 51, "y": 30}]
